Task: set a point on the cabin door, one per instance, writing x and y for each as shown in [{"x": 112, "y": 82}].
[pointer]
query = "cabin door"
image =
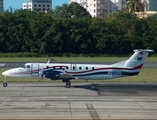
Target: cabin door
[{"x": 35, "y": 70}]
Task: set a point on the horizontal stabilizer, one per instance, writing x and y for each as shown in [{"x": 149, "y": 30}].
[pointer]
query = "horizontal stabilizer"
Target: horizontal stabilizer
[{"x": 143, "y": 50}]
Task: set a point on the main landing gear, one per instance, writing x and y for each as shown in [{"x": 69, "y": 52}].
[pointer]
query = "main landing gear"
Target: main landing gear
[
  {"x": 5, "y": 84},
  {"x": 68, "y": 84}
]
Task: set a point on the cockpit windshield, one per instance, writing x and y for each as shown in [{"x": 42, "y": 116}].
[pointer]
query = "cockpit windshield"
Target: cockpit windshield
[{"x": 25, "y": 66}]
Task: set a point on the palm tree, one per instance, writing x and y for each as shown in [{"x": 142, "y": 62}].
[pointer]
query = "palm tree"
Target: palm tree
[{"x": 133, "y": 5}]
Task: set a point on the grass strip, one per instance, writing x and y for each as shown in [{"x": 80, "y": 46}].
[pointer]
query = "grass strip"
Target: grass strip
[{"x": 71, "y": 59}]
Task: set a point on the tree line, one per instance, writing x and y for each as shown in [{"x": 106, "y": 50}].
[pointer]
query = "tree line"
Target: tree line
[{"x": 71, "y": 29}]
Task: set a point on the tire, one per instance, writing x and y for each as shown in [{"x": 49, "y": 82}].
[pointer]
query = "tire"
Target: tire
[
  {"x": 68, "y": 84},
  {"x": 5, "y": 84}
]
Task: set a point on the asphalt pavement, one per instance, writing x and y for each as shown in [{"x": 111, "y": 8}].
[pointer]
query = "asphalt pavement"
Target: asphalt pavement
[{"x": 86, "y": 101}]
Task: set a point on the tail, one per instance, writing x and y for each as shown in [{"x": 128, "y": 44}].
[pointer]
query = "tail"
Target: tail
[
  {"x": 138, "y": 58},
  {"x": 133, "y": 65},
  {"x": 135, "y": 61}
]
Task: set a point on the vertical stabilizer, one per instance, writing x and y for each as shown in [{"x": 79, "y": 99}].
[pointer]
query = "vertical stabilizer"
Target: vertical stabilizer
[{"x": 138, "y": 58}]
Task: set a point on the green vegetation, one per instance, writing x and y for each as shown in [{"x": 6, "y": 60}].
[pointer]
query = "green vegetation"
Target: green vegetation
[
  {"x": 69, "y": 30},
  {"x": 147, "y": 75}
]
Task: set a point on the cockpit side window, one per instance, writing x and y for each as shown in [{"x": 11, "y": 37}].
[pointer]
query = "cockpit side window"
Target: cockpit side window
[
  {"x": 28, "y": 66},
  {"x": 23, "y": 66}
]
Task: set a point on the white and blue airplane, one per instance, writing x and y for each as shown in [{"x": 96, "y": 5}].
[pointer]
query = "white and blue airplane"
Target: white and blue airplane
[{"x": 67, "y": 72}]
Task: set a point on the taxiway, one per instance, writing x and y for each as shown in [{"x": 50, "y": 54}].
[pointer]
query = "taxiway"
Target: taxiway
[{"x": 81, "y": 101}]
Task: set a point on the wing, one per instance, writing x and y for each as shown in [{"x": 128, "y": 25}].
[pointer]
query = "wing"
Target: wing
[{"x": 65, "y": 75}]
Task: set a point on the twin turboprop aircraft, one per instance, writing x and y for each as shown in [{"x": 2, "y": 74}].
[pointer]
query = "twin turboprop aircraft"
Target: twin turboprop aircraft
[{"x": 66, "y": 72}]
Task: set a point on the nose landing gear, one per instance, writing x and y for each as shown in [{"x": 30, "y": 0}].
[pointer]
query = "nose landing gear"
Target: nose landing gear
[{"x": 5, "y": 84}]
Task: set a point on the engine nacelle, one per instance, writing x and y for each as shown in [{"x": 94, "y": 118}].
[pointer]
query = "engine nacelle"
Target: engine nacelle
[{"x": 52, "y": 74}]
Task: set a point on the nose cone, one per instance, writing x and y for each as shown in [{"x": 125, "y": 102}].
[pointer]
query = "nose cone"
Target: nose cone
[
  {"x": 5, "y": 73},
  {"x": 12, "y": 72}
]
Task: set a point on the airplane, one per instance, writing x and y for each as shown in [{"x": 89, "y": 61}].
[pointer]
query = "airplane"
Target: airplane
[{"x": 67, "y": 71}]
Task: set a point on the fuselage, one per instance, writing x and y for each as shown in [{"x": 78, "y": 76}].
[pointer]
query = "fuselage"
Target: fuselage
[{"x": 76, "y": 71}]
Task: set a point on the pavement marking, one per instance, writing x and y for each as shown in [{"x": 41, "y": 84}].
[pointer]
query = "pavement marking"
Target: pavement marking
[
  {"x": 92, "y": 112},
  {"x": 70, "y": 109}
]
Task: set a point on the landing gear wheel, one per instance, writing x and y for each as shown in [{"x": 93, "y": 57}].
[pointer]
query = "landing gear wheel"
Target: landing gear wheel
[
  {"x": 68, "y": 84},
  {"x": 5, "y": 84}
]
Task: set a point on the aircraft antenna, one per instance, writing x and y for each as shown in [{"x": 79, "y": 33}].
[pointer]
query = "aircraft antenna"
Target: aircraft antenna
[{"x": 49, "y": 60}]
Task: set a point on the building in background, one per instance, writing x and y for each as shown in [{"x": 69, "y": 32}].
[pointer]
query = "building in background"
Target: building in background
[
  {"x": 148, "y": 8},
  {"x": 145, "y": 14},
  {"x": 101, "y": 8},
  {"x": 122, "y": 4},
  {"x": 148, "y": 5},
  {"x": 98, "y": 8},
  {"x": 39, "y": 5},
  {"x": 1, "y": 6},
  {"x": 152, "y": 5}
]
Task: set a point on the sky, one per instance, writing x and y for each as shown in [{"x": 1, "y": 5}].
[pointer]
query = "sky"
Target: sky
[{"x": 17, "y": 4}]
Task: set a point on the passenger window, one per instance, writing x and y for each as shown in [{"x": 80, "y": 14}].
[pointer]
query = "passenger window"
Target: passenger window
[
  {"x": 86, "y": 68},
  {"x": 47, "y": 66},
  {"x": 67, "y": 67},
  {"x": 93, "y": 68},
  {"x": 80, "y": 68}
]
